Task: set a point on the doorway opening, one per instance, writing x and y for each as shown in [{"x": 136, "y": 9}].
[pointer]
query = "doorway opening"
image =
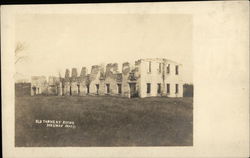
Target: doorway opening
[
  {"x": 97, "y": 89},
  {"x": 88, "y": 89},
  {"x": 34, "y": 90},
  {"x": 63, "y": 90},
  {"x": 107, "y": 88},
  {"x": 133, "y": 92},
  {"x": 119, "y": 88},
  {"x": 78, "y": 89}
]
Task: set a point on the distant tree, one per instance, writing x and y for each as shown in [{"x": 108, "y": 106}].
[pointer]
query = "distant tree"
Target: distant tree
[
  {"x": 188, "y": 90},
  {"x": 19, "y": 56},
  {"x": 20, "y": 47},
  {"x": 59, "y": 76}
]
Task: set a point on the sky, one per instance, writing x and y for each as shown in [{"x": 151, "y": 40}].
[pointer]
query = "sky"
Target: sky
[{"x": 54, "y": 42}]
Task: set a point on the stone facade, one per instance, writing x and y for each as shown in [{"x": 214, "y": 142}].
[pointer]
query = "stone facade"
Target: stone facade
[
  {"x": 160, "y": 77},
  {"x": 146, "y": 78},
  {"x": 39, "y": 85}
]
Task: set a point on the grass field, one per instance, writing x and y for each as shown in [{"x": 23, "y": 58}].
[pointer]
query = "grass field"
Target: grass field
[{"x": 104, "y": 121}]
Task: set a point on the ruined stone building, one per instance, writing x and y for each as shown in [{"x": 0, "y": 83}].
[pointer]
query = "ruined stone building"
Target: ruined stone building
[
  {"x": 146, "y": 78},
  {"x": 40, "y": 85}
]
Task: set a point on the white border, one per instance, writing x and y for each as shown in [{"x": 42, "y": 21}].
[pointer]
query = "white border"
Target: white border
[{"x": 221, "y": 79}]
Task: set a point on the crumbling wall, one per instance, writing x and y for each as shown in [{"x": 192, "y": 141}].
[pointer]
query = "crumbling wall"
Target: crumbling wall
[
  {"x": 137, "y": 75},
  {"x": 110, "y": 79},
  {"x": 82, "y": 81},
  {"x": 133, "y": 80},
  {"x": 38, "y": 85},
  {"x": 83, "y": 72},
  {"x": 82, "y": 87},
  {"x": 74, "y": 83},
  {"x": 94, "y": 79},
  {"x": 61, "y": 87},
  {"x": 67, "y": 84},
  {"x": 101, "y": 81},
  {"x": 125, "y": 79},
  {"x": 53, "y": 85}
]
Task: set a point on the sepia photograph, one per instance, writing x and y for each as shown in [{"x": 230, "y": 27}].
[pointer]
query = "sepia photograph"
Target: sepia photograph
[
  {"x": 103, "y": 80},
  {"x": 131, "y": 80}
]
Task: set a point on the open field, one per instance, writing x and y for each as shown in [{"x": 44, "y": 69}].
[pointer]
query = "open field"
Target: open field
[{"x": 104, "y": 121}]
